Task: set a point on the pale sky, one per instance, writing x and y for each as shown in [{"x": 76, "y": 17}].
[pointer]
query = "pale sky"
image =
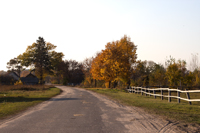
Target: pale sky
[{"x": 80, "y": 28}]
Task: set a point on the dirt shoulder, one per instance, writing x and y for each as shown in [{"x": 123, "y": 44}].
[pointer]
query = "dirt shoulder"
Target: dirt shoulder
[{"x": 137, "y": 119}]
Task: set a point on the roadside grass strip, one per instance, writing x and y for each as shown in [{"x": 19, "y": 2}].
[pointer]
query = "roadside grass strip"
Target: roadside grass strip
[
  {"x": 170, "y": 110},
  {"x": 12, "y": 101}
]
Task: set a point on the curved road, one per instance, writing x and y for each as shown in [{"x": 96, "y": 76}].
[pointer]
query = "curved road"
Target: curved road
[{"x": 81, "y": 111}]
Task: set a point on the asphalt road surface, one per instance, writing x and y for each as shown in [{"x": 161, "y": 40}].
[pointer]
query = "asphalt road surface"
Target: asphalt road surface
[{"x": 81, "y": 111}]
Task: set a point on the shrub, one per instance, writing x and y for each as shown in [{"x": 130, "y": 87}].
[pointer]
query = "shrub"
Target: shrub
[{"x": 19, "y": 82}]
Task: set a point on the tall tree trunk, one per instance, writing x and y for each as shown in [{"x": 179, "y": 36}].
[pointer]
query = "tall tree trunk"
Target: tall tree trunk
[
  {"x": 115, "y": 84},
  {"x": 128, "y": 83},
  {"x": 41, "y": 76}
]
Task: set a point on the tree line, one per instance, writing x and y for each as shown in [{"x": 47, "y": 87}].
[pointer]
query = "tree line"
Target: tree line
[
  {"x": 115, "y": 66},
  {"x": 45, "y": 62}
]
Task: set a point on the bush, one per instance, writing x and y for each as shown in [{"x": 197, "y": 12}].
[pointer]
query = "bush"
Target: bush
[
  {"x": 25, "y": 87},
  {"x": 19, "y": 82}
]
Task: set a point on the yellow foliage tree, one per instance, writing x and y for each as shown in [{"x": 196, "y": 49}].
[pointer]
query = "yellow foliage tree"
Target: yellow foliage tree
[{"x": 114, "y": 63}]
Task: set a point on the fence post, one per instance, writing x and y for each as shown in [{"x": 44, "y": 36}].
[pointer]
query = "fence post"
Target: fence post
[
  {"x": 188, "y": 96},
  {"x": 149, "y": 92},
  {"x": 138, "y": 90},
  {"x": 154, "y": 92},
  {"x": 145, "y": 91},
  {"x": 169, "y": 95},
  {"x": 178, "y": 95},
  {"x": 141, "y": 91},
  {"x": 161, "y": 94},
  {"x": 134, "y": 90}
]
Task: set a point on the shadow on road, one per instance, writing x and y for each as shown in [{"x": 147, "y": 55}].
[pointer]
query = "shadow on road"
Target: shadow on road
[{"x": 25, "y": 99}]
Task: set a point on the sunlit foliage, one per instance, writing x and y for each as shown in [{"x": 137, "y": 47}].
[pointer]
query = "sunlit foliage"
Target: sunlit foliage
[{"x": 114, "y": 63}]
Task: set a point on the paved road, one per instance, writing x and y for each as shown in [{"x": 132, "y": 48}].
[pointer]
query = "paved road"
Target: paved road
[{"x": 80, "y": 111}]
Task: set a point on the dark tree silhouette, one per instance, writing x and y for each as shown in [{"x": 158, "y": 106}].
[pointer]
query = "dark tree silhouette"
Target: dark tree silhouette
[
  {"x": 14, "y": 65},
  {"x": 41, "y": 58}
]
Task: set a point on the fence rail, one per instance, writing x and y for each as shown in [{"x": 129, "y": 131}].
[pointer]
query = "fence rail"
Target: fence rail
[{"x": 147, "y": 91}]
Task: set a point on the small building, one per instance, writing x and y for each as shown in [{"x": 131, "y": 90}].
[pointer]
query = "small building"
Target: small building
[
  {"x": 26, "y": 77},
  {"x": 30, "y": 79},
  {"x": 14, "y": 75}
]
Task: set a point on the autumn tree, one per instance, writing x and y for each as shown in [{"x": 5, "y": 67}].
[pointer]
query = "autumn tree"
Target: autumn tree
[
  {"x": 157, "y": 75},
  {"x": 42, "y": 57},
  {"x": 173, "y": 74},
  {"x": 96, "y": 66},
  {"x": 189, "y": 79},
  {"x": 183, "y": 71},
  {"x": 175, "y": 71},
  {"x": 128, "y": 58},
  {"x": 114, "y": 63},
  {"x": 86, "y": 66},
  {"x": 196, "y": 79},
  {"x": 140, "y": 74}
]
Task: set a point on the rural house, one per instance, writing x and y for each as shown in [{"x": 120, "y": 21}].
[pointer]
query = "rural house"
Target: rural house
[
  {"x": 14, "y": 75},
  {"x": 28, "y": 78}
]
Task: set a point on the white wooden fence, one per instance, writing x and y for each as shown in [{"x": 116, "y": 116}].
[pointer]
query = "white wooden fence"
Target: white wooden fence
[{"x": 147, "y": 91}]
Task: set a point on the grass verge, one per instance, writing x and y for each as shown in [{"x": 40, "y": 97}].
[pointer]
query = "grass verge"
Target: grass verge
[
  {"x": 12, "y": 101},
  {"x": 174, "y": 111}
]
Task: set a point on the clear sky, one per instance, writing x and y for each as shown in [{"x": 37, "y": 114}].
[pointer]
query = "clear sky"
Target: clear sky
[{"x": 80, "y": 28}]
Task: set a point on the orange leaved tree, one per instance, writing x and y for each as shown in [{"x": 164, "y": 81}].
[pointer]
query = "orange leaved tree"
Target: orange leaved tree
[{"x": 114, "y": 63}]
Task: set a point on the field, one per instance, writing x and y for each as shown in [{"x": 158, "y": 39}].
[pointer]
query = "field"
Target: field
[
  {"x": 14, "y": 99},
  {"x": 173, "y": 111}
]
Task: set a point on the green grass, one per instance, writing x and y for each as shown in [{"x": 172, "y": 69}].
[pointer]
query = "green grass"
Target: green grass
[
  {"x": 173, "y": 110},
  {"x": 13, "y": 101}
]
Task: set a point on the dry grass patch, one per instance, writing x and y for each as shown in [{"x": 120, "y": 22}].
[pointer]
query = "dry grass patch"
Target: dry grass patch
[{"x": 14, "y": 99}]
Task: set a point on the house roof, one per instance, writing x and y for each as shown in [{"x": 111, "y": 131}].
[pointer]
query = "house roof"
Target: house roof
[
  {"x": 3, "y": 72},
  {"x": 24, "y": 73},
  {"x": 30, "y": 75},
  {"x": 14, "y": 73}
]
